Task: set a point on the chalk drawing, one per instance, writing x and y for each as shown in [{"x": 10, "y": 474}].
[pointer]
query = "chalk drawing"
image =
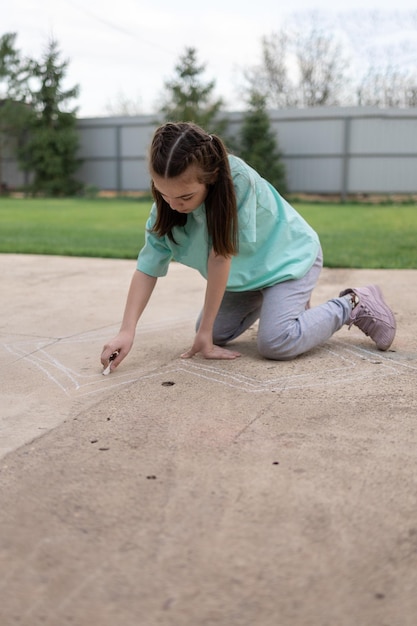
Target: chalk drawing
[{"x": 334, "y": 363}]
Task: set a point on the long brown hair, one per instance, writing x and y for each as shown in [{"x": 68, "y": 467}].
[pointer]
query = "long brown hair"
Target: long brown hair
[{"x": 174, "y": 148}]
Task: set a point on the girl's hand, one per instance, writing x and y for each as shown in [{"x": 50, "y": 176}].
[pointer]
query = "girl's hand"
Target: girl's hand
[
  {"x": 122, "y": 344},
  {"x": 217, "y": 352},
  {"x": 205, "y": 346}
]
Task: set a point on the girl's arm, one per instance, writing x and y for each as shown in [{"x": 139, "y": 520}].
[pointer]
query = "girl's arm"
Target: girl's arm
[
  {"x": 141, "y": 288},
  {"x": 217, "y": 275}
]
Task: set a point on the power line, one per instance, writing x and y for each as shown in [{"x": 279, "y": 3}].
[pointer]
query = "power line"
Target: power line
[{"x": 117, "y": 27}]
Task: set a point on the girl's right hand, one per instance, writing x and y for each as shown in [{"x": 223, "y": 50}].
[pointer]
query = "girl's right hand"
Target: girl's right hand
[
  {"x": 122, "y": 344},
  {"x": 203, "y": 344}
]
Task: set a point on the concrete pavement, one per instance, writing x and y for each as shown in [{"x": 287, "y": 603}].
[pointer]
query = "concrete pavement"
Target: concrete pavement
[{"x": 188, "y": 493}]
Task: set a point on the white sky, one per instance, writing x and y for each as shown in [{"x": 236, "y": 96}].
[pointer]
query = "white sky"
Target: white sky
[{"x": 130, "y": 48}]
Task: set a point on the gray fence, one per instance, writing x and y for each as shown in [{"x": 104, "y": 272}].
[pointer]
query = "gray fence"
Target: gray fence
[{"x": 325, "y": 150}]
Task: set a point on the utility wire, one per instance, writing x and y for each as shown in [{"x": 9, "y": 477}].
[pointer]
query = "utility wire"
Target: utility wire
[{"x": 117, "y": 27}]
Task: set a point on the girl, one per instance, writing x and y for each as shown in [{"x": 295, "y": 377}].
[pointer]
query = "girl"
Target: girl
[{"x": 214, "y": 213}]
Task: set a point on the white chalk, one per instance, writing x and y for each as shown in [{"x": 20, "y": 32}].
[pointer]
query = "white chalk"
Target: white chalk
[{"x": 107, "y": 370}]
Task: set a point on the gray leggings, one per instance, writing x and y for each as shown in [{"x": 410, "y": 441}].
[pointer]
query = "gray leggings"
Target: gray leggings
[{"x": 287, "y": 326}]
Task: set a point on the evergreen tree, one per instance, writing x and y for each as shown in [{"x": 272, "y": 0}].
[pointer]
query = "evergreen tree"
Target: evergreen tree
[
  {"x": 14, "y": 93},
  {"x": 189, "y": 99},
  {"x": 50, "y": 151},
  {"x": 258, "y": 143}
]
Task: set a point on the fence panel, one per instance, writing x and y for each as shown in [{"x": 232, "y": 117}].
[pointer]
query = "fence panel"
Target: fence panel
[{"x": 326, "y": 150}]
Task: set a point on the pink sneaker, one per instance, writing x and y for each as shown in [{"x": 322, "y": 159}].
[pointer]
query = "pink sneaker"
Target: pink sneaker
[{"x": 372, "y": 315}]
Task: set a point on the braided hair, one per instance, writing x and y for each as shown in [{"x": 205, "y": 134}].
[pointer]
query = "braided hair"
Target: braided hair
[{"x": 174, "y": 148}]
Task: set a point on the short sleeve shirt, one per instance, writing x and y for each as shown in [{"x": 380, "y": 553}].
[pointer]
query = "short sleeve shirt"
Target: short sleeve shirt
[{"x": 275, "y": 242}]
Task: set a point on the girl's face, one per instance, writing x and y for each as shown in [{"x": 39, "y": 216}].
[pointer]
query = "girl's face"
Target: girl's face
[{"x": 183, "y": 193}]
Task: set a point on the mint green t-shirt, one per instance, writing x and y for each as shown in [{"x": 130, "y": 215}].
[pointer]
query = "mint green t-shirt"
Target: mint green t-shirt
[{"x": 275, "y": 242}]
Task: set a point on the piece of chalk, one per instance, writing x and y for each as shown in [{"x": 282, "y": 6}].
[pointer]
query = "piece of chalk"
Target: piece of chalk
[{"x": 107, "y": 370}]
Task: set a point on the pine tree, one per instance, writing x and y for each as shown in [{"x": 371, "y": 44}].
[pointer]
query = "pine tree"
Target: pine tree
[
  {"x": 14, "y": 91},
  {"x": 50, "y": 152},
  {"x": 189, "y": 99},
  {"x": 258, "y": 143}
]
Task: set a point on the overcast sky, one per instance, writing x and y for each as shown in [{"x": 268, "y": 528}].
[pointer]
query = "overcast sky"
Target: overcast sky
[{"x": 129, "y": 48}]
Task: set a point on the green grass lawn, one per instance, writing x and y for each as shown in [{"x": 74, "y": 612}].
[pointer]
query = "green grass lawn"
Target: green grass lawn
[
  {"x": 352, "y": 235},
  {"x": 365, "y": 236},
  {"x": 92, "y": 228}
]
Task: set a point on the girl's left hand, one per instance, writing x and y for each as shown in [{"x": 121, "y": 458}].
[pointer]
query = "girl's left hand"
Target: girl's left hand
[{"x": 209, "y": 351}]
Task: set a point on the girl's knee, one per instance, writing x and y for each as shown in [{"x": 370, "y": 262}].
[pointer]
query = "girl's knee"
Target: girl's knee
[{"x": 278, "y": 349}]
